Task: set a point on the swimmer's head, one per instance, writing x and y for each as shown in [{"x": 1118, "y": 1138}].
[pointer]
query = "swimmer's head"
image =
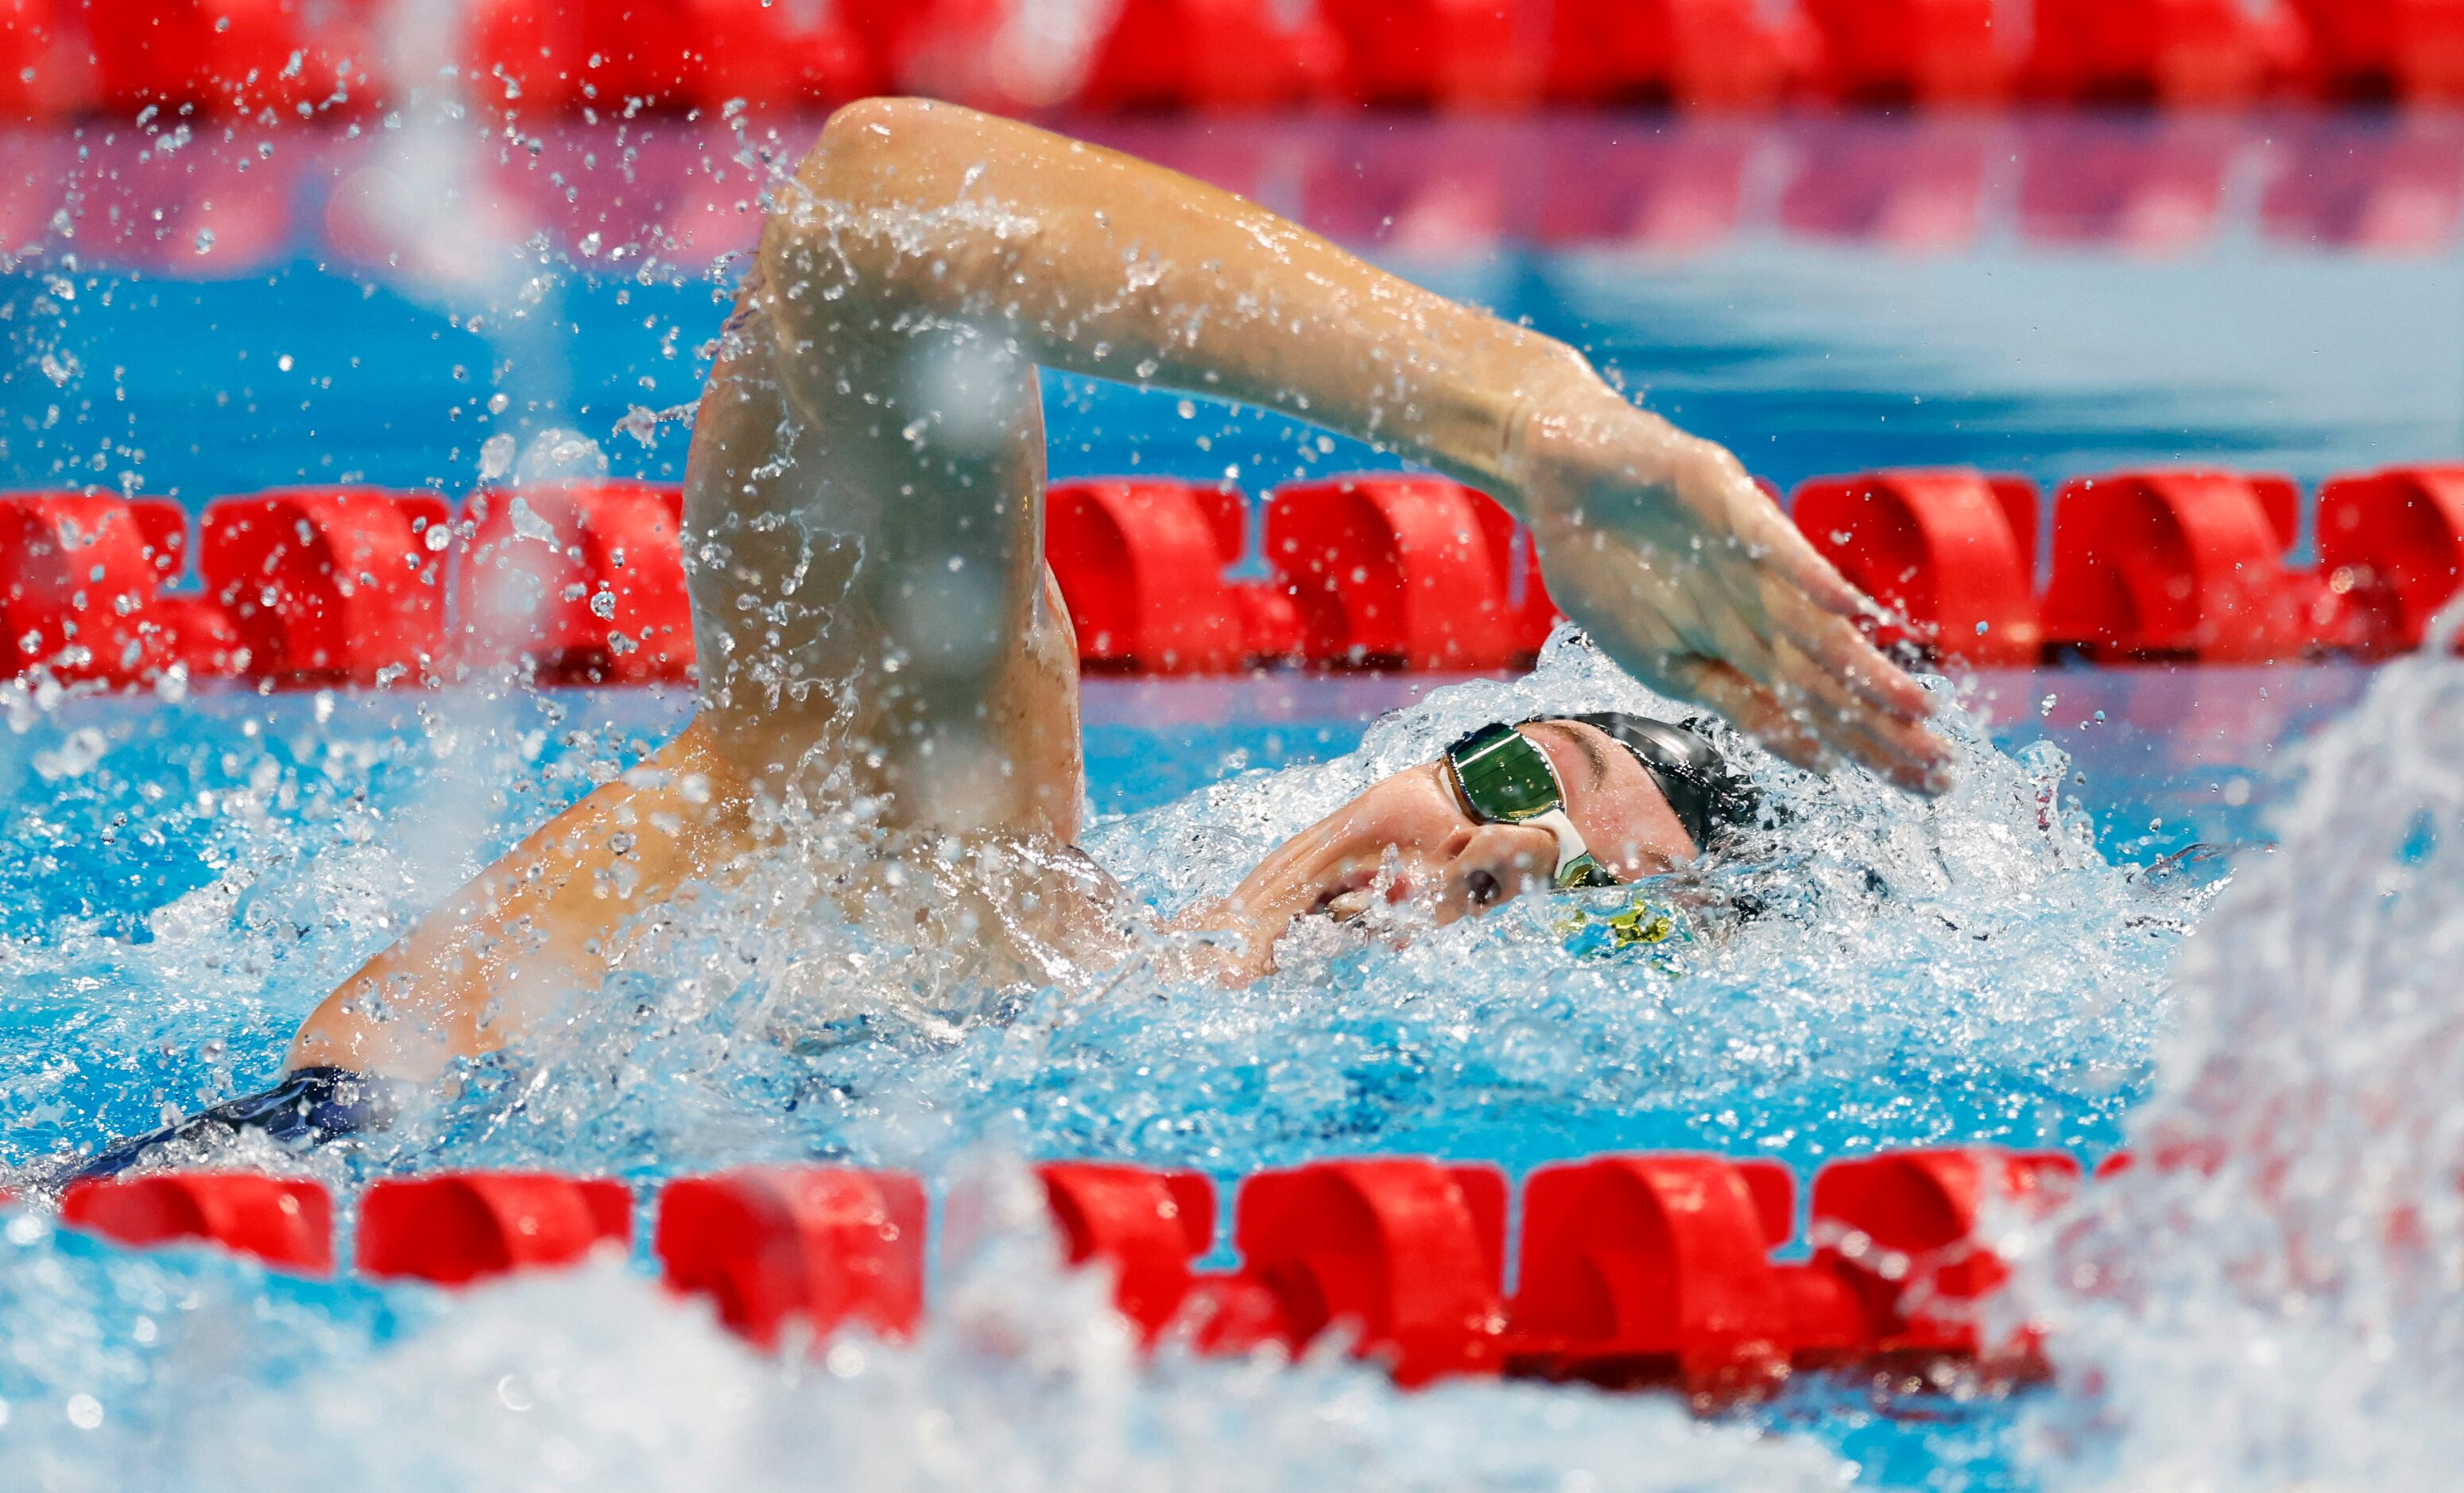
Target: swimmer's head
[{"x": 1492, "y": 819}]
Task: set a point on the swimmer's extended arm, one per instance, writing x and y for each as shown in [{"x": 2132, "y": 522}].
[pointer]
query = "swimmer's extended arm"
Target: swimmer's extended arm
[
  {"x": 1083, "y": 259},
  {"x": 498, "y": 955}
]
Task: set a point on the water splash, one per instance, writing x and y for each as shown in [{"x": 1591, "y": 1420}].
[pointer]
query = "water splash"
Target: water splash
[
  {"x": 188, "y": 1370},
  {"x": 1968, "y": 969},
  {"x": 2274, "y": 1296}
]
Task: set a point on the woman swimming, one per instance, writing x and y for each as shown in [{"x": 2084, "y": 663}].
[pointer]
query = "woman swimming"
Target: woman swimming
[{"x": 880, "y": 644}]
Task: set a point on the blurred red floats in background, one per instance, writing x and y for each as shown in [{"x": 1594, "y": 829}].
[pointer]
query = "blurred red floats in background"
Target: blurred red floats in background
[
  {"x": 2171, "y": 51},
  {"x": 1714, "y": 53},
  {"x": 1876, "y": 181},
  {"x": 458, "y": 1227},
  {"x": 275, "y": 59},
  {"x": 811, "y": 1248},
  {"x": 1909, "y": 51},
  {"x": 1211, "y": 54},
  {"x": 235, "y": 57},
  {"x": 673, "y": 195},
  {"x": 2153, "y": 184},
  {"x": 282, "y": 1221},
  {"x": 604, "y": 55},
  {"x": 2387, "y": 182},
  {"x": 2379, "y": 50}
]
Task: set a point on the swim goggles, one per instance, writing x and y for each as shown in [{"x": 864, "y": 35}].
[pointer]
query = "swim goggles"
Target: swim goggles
[{"x": 1503, "y": 777}]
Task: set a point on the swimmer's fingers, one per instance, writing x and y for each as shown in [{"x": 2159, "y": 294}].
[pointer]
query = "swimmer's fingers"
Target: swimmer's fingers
[
  {"x": 1814, "y": 730},
  {"x": 1900, "y": 750},
  {"x": 1772, "y": 544},
  {"x": 1752, "y": 709},
  {"x": 1834, "y": 647}
]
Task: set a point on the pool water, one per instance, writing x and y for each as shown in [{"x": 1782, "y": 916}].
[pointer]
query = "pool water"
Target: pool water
[{"x": 182, "y": 878}]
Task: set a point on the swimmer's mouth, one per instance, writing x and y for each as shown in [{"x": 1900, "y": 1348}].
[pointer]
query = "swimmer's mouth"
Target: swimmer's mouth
[
  {"x": 1355, "y": 894},
  {"x": 1352, "y": 899}
]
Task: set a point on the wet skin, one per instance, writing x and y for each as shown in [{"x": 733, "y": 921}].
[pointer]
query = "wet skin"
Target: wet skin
[
  {"x": 875, "y": 627},
  {"x": 1409, "y": 838}
]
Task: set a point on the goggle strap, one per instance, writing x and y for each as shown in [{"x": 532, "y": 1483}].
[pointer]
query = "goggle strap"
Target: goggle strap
[{"x": 1570, "y": 850}]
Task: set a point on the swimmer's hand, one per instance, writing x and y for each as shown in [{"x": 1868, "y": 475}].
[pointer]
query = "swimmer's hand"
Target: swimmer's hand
[{"x": 1666, "y": 552}]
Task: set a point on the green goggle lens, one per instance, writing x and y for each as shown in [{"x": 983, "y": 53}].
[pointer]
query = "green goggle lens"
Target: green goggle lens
[{"x": 1505, "y": 779}]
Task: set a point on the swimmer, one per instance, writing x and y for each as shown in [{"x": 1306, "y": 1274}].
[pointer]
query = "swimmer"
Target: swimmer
[{"x": 880, "y": 639}]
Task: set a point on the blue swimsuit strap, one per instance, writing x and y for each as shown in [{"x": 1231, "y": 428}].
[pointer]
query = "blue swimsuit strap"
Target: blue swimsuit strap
[{"x": 309, "y": 1106}]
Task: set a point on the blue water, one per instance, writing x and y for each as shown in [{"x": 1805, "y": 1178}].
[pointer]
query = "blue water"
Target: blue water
[{"x": 179, "y": 880}]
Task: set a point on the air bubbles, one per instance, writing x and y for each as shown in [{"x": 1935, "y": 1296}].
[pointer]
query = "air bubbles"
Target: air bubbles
[{"x": 496, "y": 456}]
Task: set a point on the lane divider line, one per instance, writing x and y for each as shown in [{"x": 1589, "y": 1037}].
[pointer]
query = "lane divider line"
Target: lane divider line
[{"x": 1636, "y": 1270}]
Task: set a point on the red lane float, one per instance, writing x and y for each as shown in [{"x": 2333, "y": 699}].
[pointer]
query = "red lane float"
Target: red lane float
[
  {"x": 1909, "y": 51},
  {"x": 1406, "y": 572},
  {"x": 1663, "y": 51},
  {"x": 2378, "y": 50},
  {"x": 1407, "y": 1253},
  {"x": 2167, "y": 51},
  {"x": 1210, "y": 55},
  {"x": 1639, "y": 1269},
  {"x": 1148, "y": 1226},
  {"x": 1635, "y": 1270},
  {"x": 2180, "y": 564},
  {"x": 584, "y": 582},
  {"x": 232, "y": 57},
  {"x": 43, "y": 73},
  {"x": 1424, "y": 54},
  {"x": 198, "y": 634},
  {"x": 1954, "y": 553},
  {"x": 285, "y": 1221},
  {"x": 610, "y": 55},
  {"x": 1140, "y": 565},
  {"x": 79, "y": 587},
  {"x": 817, "y": 1247},
  {"x": 1904, "y": 1232},
  {"x": 2392, "y": 543},
  {"x": 330, "y": 585},
  {"x": 467, "y": 1226}
]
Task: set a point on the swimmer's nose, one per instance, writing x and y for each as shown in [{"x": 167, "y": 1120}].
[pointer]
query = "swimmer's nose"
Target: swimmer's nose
[{"x": 1495, "y": 864}]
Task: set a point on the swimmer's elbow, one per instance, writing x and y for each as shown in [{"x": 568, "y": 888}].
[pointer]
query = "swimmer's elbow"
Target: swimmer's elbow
[
  {"x": 874, "y": 157},
  {"x": 877, "y": 152},
  {"x": 882, "y": 123}
]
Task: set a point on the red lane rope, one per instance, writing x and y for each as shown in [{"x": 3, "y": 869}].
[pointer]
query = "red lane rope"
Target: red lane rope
[
  {"x": 585, "y": 583},
  {"x": 1642, "y": 1269},
  {"x": 246, "y": 59}
]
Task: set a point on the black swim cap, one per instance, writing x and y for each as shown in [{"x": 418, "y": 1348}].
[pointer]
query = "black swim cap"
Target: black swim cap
[{"x": 1710, "y": 798}]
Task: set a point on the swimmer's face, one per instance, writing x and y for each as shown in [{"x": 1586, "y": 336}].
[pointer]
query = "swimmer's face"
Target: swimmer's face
[{"x": 1458, "y": 867}]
